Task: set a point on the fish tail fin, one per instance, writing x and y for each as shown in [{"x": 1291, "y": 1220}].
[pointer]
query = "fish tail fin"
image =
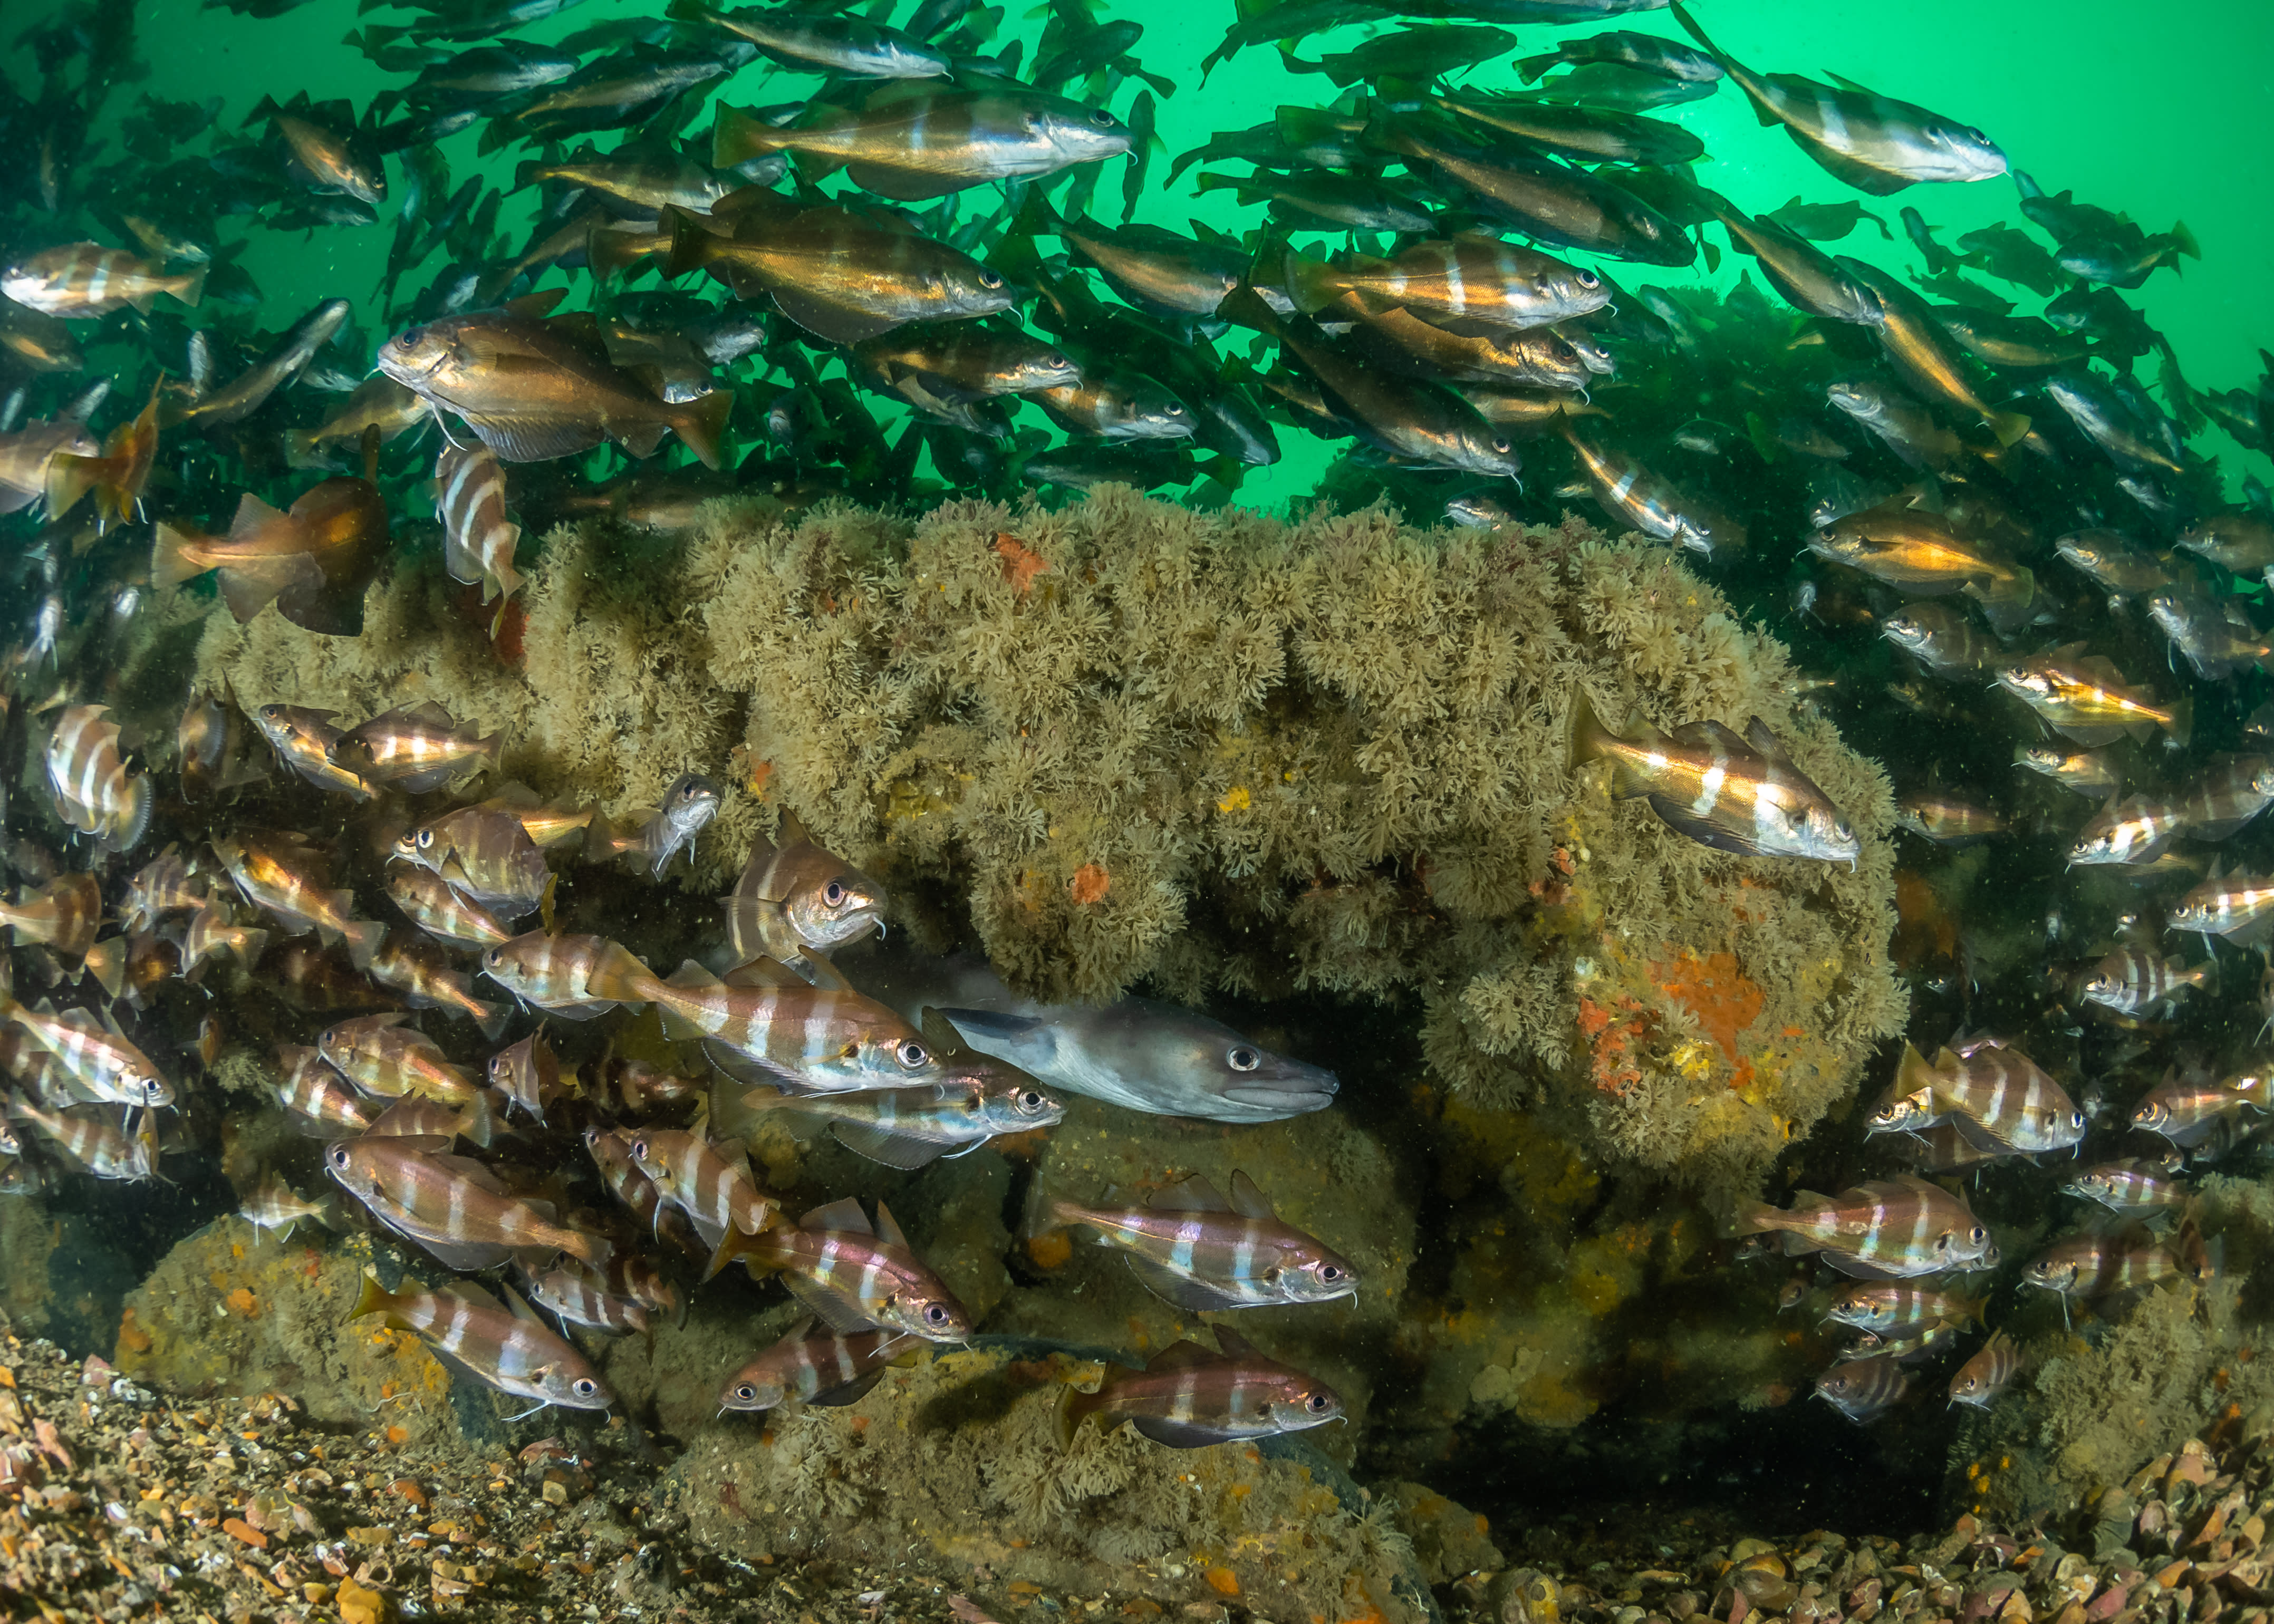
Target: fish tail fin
[
  {"x": 250, "y": 945},
  {"x": 702, "y": 424},
  {"x": 494, "y": 1019},
  {"x": 1035, "y": 217},
  {"x": 375, "y": 1300},
  {"x": 2183, "y": 241},
  {"x": 1528, "y": 69},
  {"x": 106, "y": 961},
  {"x": 190, "y": 287},
  {"x": 477, "y": 1123},
  {"x": 136, "y": 824},
  {"x": 2182, "y": 724},
  {"x": 691, "y": 243},
  {"x": 1074, "y": 1407},
  {"x": 608, "y": 254},
  {"x": 2009, "y": 426},
  {"x": 1587, "y": 739},
  {"x": 1977, "y": 1309},
  {"x": 1045, "y": 1213},
  {"x": 492, "y": 750},
  {"x": 361, "y": 937},
  {"x": 734, "y": 1247},
  {"x": 172, "y": 555},
  {"x": 69, "y": 477},
  {"x": 1756, "y": 1218},
  {"x": 1311, "y": 284}
]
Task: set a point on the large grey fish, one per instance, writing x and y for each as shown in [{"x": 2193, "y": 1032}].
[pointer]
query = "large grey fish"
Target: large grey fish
[{"x": 1160, "y": 1058}]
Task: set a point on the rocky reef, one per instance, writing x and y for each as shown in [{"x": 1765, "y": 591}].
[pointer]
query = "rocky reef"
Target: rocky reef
[{"x": 1214, "y": 754}]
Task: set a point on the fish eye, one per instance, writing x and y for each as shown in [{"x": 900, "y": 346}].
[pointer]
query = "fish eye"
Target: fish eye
[
  {"x": 1587, "y": 280},
  {"x": 935, "y": 1314},
  {"x": 1500, "y": 448},
  {"x": 2076, "y": 1119},
  {"x": 426, "y": 838},
  {"x": 912, "y": 1054},
  {"x": 493, "y": 958},
  {"x": 1174, "y": 409},
  {"x": 834, "y": 893},
  {"x": 1240, "y": 1058},
  {"x": 639, "y": 1150},
  {"x": 1316, "y": 1403},
  {"x": 990, "y": 280},
  {"x": 1031, "y": 1100},
  {"x": 339, "y": 1156},
  {"x": 1979, "y": 1236},
  {"x": 1329, "y": 1273},
  {"x": 747, "y": 1393},
  {"x": 1055, "y": 361},
  {"x": 585, "y": 1387},
  {"x": 1103, "y": 119}
]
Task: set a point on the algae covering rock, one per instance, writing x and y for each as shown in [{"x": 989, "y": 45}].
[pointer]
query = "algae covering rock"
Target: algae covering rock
[
  {"x": 1216, "y": 753},
  {"x": 956, "y": 1461}
]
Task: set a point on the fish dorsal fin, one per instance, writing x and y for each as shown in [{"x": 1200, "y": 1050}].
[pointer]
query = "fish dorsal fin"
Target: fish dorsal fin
[
  {"x": 792, "y": 832},
  {"x": 799, "y": 1332},
  {"x": 940, "y": 1033},
  {"x": 1234, "y": 1345},
  {"x": 692, "y": 977},
  {"x": 888, "y": 1229},
  {"x": 1766, "y": 744},
  {"x": 1192, "y": 1195},
  {"x": 517, "y": 1306},
  {"x": 1696, "y": 735},
  {"x": 1246, "y": 1199},
  {"x": 1180, "y": 1355},
  {"x": 763, "y": 971},
  {"x": 474, "y": 1171},
  {"x": 537, "y": 304},
  {"x": 426, "y": 713},
  {"x": 1845, "y": 83},
  {"x": 474, "y": 1292},
  {"x": 844, "y": 1214}
]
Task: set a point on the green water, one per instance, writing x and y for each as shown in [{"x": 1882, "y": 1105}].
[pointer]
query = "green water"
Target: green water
[{"x": 2158, "y": 122}]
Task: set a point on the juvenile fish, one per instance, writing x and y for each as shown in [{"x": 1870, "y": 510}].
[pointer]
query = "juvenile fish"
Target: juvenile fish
[
  {"x": 1634, "y": 495},
  {"x": 763, "y": 1024},
  {"x": 274, "y": 1208},
  {"x": 2114, "y": 564},
  {"x": 2085, "y": 697},
  {"x": 512, "y": 1352},
  {"x": 94, "y": 1054},
  {"x": 851, "y": 1274},
  {"x": 487, "y": 857},
  {"x": 311, "y": 1087},
  {"x": 63, "y": 915},
  {"x": 1896, "y": 1305},
  {"x": 611, "y": 1150},
  {"x": 1741, "y": 795},
  {"x": 2002, "y": 1100},
  {"x": 1187, "y": 1398},
  {"x": 86, "y": 772},
  {"x": 388, "y": 1060},
  {"x": 713, "y": 1188},
  {"x": 2132, "y": 980},
  {"x": 2132, "y": 1186},
  {"x": 2238, "y": 907},
  {"x": 1464, "y": 279},
  {"x": 1942, "y": 639},
  {"x": 1946, "y": 820},
  {"x": 2088, "y": 773},
  {"x": 415, "y": 968},
  {"x": 2189, "y": 1113},
  {"x": 93, "y": 1139},
  {"x": 1190, "y": 1246},
  {"x": 163, "y": 885},
  {"x": 651, "y": 837},
  {"x": 86, "y": 279},
  {"x": 2133, "y": 831},
  {"x": 811, "y": 1367},
  {"x": 577, "y": 1297},
  {"x": 1982, "y": 1379},
  {"x": 1917, "y": 553},
  {"x": 449, "y": 918},
  {"x": 929, "y": 144},
  {"x": 212, "y": 932},
  {"x": 477, "y": 539},
  {"x": 528, "y": 1074},
  {"x": 418, "y": 748},
  {"x": 307, "y": 741},
  {"x": 1864, "y": 1389},
  {"x": 577, "y": 977},
  {"x": 453, "y": 1207},
  {"x": 812, "y": 42},
  {"x": 1894, "y": 1230},
  {"x": 796, "y": 897},
  {"x": 312, "y": 560},
  {"x": 2093, "y": 1265},
  {"x": 281, "y": 873}
]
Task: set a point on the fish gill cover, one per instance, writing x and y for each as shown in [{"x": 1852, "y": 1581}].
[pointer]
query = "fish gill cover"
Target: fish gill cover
[{"x": 702, "y": 454}]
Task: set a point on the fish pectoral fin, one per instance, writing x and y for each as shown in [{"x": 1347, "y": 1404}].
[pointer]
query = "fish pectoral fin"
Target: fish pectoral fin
[
  {"x": 833, "y": 1309},
  {"x": 472, "y": 1172},
  {"x": 895, "y": 1150},
  {"x": 840, "y": 323},
  {"x": 1854, "y": 171},
  {"x": 1182, "y": 1290},
  {"x": 844, "y": 1214},
  {"x": 529, "y": 439},
  {"x": 852, "y": 1392},
  {"x": 751, "y": 1069},
  {"x": 1982, "y": 1136},
  {"x": 1177, "y": 1435},
  {"x": 763, "y": 971},
  {"x": 1681, "y": 820}
]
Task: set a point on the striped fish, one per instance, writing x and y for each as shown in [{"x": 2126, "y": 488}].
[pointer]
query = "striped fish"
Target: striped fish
[
  {"x": 307, "y": 741},
  {"x": 312, "y": 1089},
  {"x": 577, "y": 977},
  {"x": 712, "y": 1185},
  {"x": 650, "y": 836},
  {"x": 527, "y": 1075},
  {"x": 627, "y": 1276},
  {"x": 1190, "y": 1246},
  {"x": 1946, "y": 821},
  {"x": 2133, "y": 981},
  {"x": 487, "y": 857},
  {"x": 850, "y": 1273},
  {"x": 1634, "y": 495},
  {"x": 1734, "y": 794},
  {"x": 386, "y": 1060},
  {"x": 162, "y": 886},
  {"x": 1983, "y": 1379},
  {"x": 274, "y": 1208},
  {"x": 2093, "y": 1265},
  {"x": 611, "y": 1150},
  {"x": 85, "y": 279},
  {"x": 815, "y": 1367},
  {"x": 1893, "y": 1230},
  {"x": 1999, "y": 1098},
  {"x": 1890, "y": 1307},
  {"x": 477, "y": 539},
  {"x": 94, "y": 793},
  {"x": 574, "y": 1295},
  {"x": 2088, "y": 773},
  {"x": 2085, "y": 698},
  {"x": 1863, "y": 1389},
  {"x": 2238, "y": 907},
  {"x": 413, "y": 1117},
  {"x": 1460, "y": 279},
  {"x": 910, "y": 147},
  {"x": 2132, "y": 1186},
  {"x": 1187, "y": 1398},
  {"x": 96, "y": 1056},
  {"x": 455, "y": 1207},
  {"x": 512, "y": 1351},
  {"x": 418, "y": 748},
  {"x": 763, "y": 1024},
  {"x": 794, "y": 897},
  {"x": 63, "y": 915},
  {"x": 414, "y": 967},
  {"x": 211, "y": 933},
  {"x": 283, "y": 873},
  {"x": 546, "y": 825},
  {"x": 440, "y": 912},
  {"x": 1874, "y": 143},
  {"x": 1906, "y": 1346},
  {"x": 94, "y": 1139},
  {"x": 2188, "y": 1112}
]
